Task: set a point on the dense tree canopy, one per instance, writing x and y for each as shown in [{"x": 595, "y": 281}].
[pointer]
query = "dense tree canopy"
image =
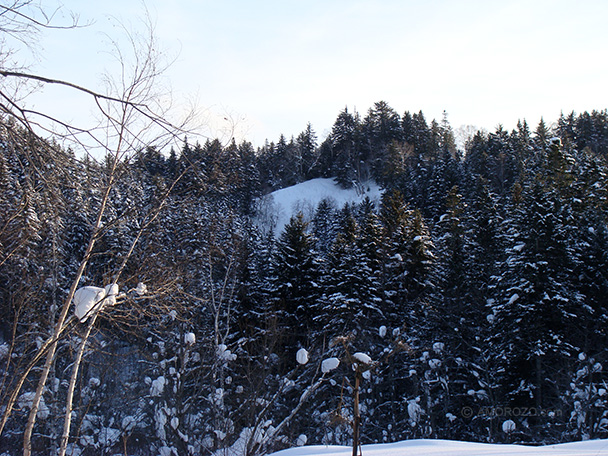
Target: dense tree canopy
[{"x": 477, "y": 284}]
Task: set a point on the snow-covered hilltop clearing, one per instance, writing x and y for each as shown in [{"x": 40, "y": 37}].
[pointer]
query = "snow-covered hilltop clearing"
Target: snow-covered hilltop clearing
[
  {"x": 276, "y": 208},
  {"x": 446, "y": 447}
]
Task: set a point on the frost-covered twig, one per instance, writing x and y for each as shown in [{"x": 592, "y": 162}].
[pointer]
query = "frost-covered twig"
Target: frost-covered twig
[{"x": 303, "y": 398}]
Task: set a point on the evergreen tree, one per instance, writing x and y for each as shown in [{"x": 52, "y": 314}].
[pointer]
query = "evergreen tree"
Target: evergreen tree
[
  {"x": 382, "y": 126},
  {"x": 307, "y": 154},
  {"x": 344, "y": 149},
  {"x": 294, "y": 288}
]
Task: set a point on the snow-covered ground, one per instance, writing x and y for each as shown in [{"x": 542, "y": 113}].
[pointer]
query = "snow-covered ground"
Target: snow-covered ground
[
  {"x": 452, "y": 448},
  {"x": 275, "y": 209}
]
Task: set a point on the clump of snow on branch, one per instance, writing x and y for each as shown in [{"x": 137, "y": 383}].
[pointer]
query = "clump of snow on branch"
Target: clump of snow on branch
[
  {"x": 362, "y": 358},
  {"x": 508, "y": 426},
  {"x": 25, "y": 402},
  {"x": 189, "y": 338},
  {"x": 224, "y": 353},
  {"x": 434, "y": 363},
  {"x": 4, "y": 350},
  {"x": 514, "y": 298},
  {"x": 414, "y": 411},
  {"x": 129, "y": 423},
  {"x": 301, "y": 440},
  {"x": 302, "y": 356},
  {"x": 158, "y": 386},
  {"x": 329, "y": 364},
  {"x": 141, "y": 289},
  {"x": 88, "y": 300}
]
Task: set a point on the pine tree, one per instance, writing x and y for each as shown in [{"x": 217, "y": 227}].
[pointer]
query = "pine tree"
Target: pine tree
[
  {"x": 345, "y": 148},
  {"x": 308, "y": 154},
  {"x": 382, "y": 126},
  {"x": 294, "y": 288}
]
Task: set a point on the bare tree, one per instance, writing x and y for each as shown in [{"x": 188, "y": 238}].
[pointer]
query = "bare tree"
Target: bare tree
[{"x": 132, "y": 114}]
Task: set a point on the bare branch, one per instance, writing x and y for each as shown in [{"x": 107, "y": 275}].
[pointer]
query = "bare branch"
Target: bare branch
[{"x": 15, "y": 9}]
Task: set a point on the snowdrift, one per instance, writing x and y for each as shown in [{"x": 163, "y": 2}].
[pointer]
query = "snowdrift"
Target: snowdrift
[{"x": 453, "y": 448}]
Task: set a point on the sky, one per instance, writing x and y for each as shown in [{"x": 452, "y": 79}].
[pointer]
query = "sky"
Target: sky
[{"x": 263, "y": 68}]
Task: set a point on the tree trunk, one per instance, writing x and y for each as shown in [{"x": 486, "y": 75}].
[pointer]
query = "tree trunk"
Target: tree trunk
[{"x": 67, "y": 423}]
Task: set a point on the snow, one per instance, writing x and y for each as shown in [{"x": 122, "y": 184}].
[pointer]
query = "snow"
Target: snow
[
  {"x": 508, "y": 426},
  {"x": 166, "y": 451},
  {"x": 414, "y": 410},
  {"x": 427, "y": 447},
  {"x": 224, "y": 353},
  {"x": 128, "y": 423},
  {"x": 141, "y": 289},
  {"x": 92, "y": 299},
  {"x": 519, "y": 247},
  {"x": 108, "y": 436},
  {"x": 302, "y": 356},
  {"x": 279, "y": 206},
  {"x": 438, "y": 347},
  {"x": 514, "y": 298},
  {"x": 362, "y": 358},
  {"x": 158, "y": 386},
  {"x": 25, "y": 402},
  {"x": 189, "y": 338},
  {"x": 382, "y": 331},
  {"x": 434, "y": 363},
  {"x": 329, "y": 364},
  {"x": 4, "y": 350},
  {"x": 301, "y": 440}
]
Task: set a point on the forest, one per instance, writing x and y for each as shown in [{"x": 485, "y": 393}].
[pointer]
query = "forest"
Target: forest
[{"x": 474, "y": 293}]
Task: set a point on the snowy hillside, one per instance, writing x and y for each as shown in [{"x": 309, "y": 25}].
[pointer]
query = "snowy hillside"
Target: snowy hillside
[
  {"x": 452, "y": 448},
  {"x": 275, "y": 209}
]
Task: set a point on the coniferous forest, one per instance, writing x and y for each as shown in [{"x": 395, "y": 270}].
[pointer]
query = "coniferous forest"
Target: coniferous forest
[{"x": 474, "y": 294}]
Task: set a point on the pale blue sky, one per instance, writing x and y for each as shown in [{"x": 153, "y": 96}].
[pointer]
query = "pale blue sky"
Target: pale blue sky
[{"x": 273, "y": 66}]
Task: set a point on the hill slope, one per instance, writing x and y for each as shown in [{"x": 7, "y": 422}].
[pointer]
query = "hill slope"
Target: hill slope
[{"x": 276, "y": 208}]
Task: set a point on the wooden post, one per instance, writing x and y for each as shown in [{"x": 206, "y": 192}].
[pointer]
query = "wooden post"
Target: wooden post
[{"x": 357, "y": 417}]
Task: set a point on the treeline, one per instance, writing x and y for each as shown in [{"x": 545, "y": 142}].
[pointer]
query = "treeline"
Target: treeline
[{"x": 477, "y": 287}]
